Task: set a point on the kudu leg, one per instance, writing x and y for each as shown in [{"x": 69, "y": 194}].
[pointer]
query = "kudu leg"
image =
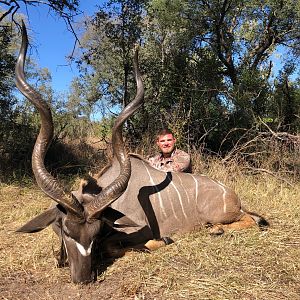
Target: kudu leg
[
  {"x": 245, "y": 221},
  {"x": 156, "y": 244},
  {"x": 115, "y": 249}
]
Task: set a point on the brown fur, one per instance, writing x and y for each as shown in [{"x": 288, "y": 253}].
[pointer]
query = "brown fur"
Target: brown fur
[{"x": 244, "y": 222}]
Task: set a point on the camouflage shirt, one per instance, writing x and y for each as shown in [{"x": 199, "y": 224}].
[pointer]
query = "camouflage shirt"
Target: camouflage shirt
[{"x": 179, "y": 161}]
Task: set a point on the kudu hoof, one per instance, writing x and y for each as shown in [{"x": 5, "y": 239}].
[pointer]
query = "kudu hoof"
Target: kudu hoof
[
  {"x": 216, "y": 230},
  {"x": 167, "y": 240}
]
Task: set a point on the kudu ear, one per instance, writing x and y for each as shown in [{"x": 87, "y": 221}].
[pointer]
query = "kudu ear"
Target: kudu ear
[{"x": 41, "y": 221}]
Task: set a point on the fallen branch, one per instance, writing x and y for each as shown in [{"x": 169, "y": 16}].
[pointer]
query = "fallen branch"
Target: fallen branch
[
  {"x": 283, "y": 136},
  {"x": 260, "y": 170}
]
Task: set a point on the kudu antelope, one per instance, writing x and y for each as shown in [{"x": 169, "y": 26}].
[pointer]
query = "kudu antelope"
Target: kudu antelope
[{"x": 129, "y": 204}]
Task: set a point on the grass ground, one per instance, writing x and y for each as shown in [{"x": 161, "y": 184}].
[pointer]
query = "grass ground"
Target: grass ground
[{"x": 249, "y": 264}]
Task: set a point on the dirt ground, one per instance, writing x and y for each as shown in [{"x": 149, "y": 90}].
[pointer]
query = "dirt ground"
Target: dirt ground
[{"x": 30, "y": 285}]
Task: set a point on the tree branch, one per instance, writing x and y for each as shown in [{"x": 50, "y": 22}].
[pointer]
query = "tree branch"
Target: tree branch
[
  {"x": 269, "y": 38},
  {"x": 221, "y": 43},
  {"x": 6, "y": 13},
  {"x": 56, "y": 6},
  {"x": 261, "y": 170}
]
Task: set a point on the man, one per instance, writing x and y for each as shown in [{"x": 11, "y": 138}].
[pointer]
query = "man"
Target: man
[{"x": 170, "y": 159}]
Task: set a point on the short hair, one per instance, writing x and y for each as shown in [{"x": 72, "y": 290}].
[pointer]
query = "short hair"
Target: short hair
[{"x": 164, "y": 131}]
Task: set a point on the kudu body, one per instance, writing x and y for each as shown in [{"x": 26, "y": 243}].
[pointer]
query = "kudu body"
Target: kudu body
[
  {"x": 130, "y": 204},
  {"x": 158, "y": 204}
]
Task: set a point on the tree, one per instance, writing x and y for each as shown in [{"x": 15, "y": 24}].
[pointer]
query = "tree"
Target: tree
[
  {"x": 244, "y": 35},
  {"x": 207, "y": 65},
  {"x": 239, "y": 38},
  {"x": 286, "y": 109},
  {"x": 106, "y": 61},
  {"x": 109, "y": 40},
  {"x": 65, "y": 8},
  {"x": 7, "y": 61},
  {"x": 18, "y": 123}
]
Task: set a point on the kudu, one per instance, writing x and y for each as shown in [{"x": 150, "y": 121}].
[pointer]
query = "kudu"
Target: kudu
[{"x": 129, "y": 204}]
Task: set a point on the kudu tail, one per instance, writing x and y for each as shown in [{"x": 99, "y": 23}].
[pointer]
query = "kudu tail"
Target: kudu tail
[{"x": 261, "y": 222}]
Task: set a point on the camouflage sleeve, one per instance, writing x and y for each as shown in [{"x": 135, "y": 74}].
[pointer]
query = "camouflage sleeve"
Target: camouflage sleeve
[
  {"x": 167, "y": 167},
  {"x": 151, "y": 160},
  {"x": 154, "y": 162},
  {"x": 182, "y": 162}
]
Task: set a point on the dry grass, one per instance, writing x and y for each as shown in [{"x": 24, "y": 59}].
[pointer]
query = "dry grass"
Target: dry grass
[{"x": 249, "y": 264}]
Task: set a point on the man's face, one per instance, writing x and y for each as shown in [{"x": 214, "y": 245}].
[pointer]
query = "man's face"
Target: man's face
[{"x": 166, "y": 143}]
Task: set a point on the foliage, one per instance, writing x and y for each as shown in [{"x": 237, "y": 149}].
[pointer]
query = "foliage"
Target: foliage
[
  {"x": 7, "y": 61},
  {"x": 13, "y": 134},
  {"x": 207, "y": 65},
  {"x": 20, "y": 122},
  {"x": 64, "y": 8}
]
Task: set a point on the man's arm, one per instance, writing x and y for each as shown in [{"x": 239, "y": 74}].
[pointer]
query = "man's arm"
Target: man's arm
[{"x": 181, "y": 162}]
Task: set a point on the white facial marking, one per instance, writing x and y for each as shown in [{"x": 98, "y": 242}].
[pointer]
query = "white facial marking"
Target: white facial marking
[{"x": 82, "y": 249}]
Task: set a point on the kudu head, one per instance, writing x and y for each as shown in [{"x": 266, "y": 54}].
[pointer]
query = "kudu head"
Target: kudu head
[{"x": 77, "y": 221}]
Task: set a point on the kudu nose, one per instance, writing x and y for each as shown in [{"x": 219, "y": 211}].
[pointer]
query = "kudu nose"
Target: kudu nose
[{"x": 84, "y": 279}]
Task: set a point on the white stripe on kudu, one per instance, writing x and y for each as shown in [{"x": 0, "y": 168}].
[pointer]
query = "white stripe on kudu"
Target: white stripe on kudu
[
  {"x": 187, "y": 194},
  {"x": 171, "y": 203},
  {"x": 224, "y": 194},
  {"x": 179, "y": 198},
  {"x": 196, "y": 184},
  {"x": 158, "y": 192}
]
